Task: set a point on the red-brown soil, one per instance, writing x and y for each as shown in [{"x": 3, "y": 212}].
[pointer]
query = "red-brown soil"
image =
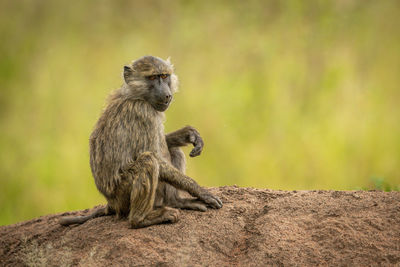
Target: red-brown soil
[{"x": 256, "y": 227}]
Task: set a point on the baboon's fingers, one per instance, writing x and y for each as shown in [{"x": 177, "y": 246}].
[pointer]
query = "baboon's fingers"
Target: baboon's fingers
[
  {"x": 195, "y": 152},
  {"x": 198, "y": 146},
  {"x": 212, "y": 201},
  {"x": 218, "y": 201}
]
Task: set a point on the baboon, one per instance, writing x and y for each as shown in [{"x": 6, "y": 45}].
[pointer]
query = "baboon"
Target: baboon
[{"x": 138, "y": 168}]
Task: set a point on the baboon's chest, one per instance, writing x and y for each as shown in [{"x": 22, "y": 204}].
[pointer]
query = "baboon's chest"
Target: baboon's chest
[{"x": 144, "y": 129}]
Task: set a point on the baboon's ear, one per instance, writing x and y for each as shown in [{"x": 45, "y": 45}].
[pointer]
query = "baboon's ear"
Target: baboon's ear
[
  {"x": 170, "y": 64},
  {"x": 128, "y": 74}
]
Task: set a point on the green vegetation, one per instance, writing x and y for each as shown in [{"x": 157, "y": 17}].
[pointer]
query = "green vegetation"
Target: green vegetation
[{"x": 287, "y": 94}]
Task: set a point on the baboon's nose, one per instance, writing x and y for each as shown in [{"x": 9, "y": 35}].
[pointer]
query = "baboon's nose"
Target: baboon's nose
[{"x": 168, "y": 98}]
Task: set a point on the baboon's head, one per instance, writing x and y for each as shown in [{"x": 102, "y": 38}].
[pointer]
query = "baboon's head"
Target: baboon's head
[{"x": 151, "y": 79}]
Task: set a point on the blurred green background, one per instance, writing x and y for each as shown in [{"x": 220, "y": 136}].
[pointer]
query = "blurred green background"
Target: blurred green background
[{"x": 287, "y": 94}]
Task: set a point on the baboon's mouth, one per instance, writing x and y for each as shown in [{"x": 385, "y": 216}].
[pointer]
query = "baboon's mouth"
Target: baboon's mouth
[{"x": 162, "y": 106}]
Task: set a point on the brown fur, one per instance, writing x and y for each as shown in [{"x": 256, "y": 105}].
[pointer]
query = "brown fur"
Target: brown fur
[{"x": 135, "y": 165}]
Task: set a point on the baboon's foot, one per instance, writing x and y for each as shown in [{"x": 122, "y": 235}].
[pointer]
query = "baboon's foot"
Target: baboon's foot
[
  {"x": 191, "y": 204},
  {"x": 157, "y": 216},
  {"x": 171, "y": 215}
]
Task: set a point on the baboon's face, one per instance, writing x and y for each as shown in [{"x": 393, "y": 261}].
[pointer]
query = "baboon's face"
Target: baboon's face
[
  {"x": 153, "y": 80},
  {"x": 159, "y": 93}
]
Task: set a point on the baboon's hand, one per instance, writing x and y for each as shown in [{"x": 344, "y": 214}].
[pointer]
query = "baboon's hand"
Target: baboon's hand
[
  {"x": 197, "y": 141},
  {"x": 211, "y": 200}
]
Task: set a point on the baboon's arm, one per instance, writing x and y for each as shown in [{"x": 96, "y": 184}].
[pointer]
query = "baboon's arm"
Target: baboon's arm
[
  {"x": 173, "y": 176},
  {"x": 186, "y": 135}
]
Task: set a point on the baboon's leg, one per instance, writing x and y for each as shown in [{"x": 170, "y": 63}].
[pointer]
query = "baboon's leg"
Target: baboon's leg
[
  {"x": 173, "y": 176},
  {"x": 178, "y": 161},
  {"x": 145, "y": 172}
]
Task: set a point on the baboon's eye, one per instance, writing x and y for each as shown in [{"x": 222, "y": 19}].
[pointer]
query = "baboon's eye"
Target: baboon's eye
[
  {"x": 152, "y": 77},
  {"x": 164, "y": 76}
]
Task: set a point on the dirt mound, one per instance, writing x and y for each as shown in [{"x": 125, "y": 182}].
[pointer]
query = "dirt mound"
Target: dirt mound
[{"x": 254, "y": 228}]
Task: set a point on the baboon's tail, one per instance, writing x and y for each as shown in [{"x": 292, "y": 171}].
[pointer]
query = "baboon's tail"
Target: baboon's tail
[{"x": 81, "y": 219}]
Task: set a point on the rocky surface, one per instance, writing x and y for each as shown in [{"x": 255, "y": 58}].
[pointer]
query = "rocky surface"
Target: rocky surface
[{"x": 256, "y": 227}]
